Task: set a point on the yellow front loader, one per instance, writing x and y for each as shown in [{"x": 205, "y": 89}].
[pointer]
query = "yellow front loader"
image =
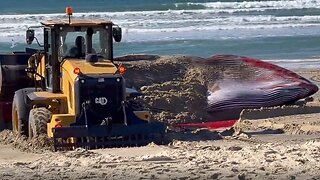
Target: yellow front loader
[{"x": 79, "y": 96}]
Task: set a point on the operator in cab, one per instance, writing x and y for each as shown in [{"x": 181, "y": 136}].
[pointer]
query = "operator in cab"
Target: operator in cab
[{"x": 79, "y": 50}]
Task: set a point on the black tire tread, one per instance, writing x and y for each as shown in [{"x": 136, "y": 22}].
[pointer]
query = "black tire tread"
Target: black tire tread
[
  {"x": 38, "y": 119},
  {"x": 20, "y": 106}
]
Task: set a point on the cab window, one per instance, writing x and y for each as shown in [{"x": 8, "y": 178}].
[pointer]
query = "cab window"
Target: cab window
[{"x": 73, "y": 42}]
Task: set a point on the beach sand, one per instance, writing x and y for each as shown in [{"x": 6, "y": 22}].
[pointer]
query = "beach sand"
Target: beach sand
[{"x": 270, "y": 143}]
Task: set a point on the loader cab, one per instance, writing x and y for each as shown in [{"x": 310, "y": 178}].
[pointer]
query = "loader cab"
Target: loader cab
[{"x": 81, "y": 39}]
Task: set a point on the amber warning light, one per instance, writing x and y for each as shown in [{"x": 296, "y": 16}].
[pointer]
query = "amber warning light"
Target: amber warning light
[
  {"x": 69, "y": 11},
  {"x": 121, "y": 69}
]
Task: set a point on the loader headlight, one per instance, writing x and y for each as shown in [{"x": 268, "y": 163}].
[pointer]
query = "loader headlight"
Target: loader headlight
[
  {"x": 121, "y": 69},
  {"x": 58, "y": 126},
  {"x": 77, "y": 71},
  {"x": 82, "y": 81}
]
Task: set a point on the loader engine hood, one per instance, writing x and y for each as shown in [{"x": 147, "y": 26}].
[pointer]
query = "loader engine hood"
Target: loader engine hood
[{"x": 87, "y": 68}]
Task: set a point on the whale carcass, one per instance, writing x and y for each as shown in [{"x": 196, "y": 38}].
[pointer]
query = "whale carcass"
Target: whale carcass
[{"x": 252, "y": 83}]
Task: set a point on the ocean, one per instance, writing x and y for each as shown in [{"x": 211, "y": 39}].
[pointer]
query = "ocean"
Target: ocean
[{"x": 286, "y": 32}]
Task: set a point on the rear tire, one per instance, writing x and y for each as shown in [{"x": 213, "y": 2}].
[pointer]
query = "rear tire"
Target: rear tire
[
  {"x": 38, "y": 119},
  {"x": 19, "y": 114}
]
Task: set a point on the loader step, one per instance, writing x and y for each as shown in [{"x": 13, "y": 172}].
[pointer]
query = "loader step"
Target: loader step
[{"x": 94, "y": 137}]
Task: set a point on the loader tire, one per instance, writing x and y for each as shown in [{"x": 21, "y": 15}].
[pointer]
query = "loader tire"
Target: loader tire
[
  {"x": 19, "y": 114},
  {"x": 38, "y": 119}
]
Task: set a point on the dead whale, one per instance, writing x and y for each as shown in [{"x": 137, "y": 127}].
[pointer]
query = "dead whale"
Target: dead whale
[{"x": 251, "y": 83}]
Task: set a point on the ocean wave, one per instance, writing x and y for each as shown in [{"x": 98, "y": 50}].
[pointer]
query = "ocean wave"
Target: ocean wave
[
  {"x": 177, "y": 24},
  {"x": 296, "y": 63},
  {"x": 235, "y": 6},
  {"x": 192, "y": 33},
  {"x": 222, "y": 28},
  {"x": 161, "y": 17},
  {"x": 256, "y": 5}
]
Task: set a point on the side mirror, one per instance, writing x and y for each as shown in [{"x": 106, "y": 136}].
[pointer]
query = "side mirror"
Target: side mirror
[
  {"x": 117, "y": 33},
  {"x": 29, "y": 36}
]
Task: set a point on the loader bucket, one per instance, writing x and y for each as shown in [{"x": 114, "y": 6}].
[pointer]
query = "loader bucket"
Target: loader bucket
[{"x": 101, "y": 136}]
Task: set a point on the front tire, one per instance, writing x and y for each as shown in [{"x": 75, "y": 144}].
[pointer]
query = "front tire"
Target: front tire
[{"x": 38, "y": 119}]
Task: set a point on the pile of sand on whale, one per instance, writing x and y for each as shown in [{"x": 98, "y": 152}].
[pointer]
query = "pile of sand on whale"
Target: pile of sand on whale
[{"x": 174, "y": 87}]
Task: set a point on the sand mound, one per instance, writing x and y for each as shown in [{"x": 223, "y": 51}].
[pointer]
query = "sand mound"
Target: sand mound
[
  {"x": 174, "y": 87},
  {"x": 37, "y": 145},
  {"x": 289, "y": 124}
]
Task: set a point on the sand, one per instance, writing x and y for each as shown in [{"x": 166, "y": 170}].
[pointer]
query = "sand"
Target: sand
[
  {"x": 174, "y": 87},
  {"x": 269, "y": 143}
]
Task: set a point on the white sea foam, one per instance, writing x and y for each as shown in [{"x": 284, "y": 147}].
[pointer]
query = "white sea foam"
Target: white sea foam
[
  {"x": 187, "y": 24},
  {"x": 297, "y": 63},
  {"x": 259, "y": 5}
]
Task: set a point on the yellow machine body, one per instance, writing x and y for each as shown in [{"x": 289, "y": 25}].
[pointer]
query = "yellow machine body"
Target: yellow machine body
[{"x": 80, "y": 93}]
